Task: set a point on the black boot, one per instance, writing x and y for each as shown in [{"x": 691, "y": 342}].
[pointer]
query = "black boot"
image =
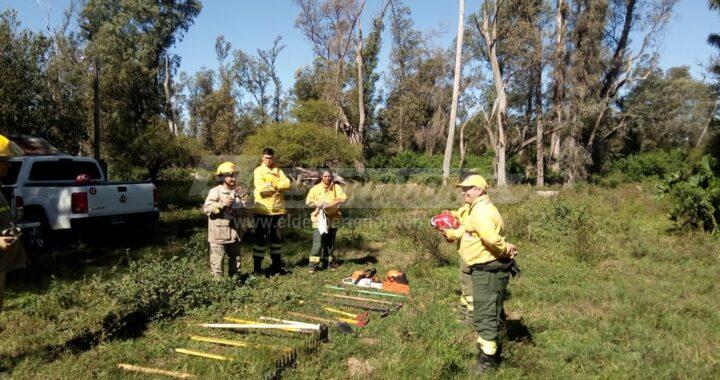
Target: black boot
[
  {"x": 276, "y": 266},
  {"x": 257, "y": 265},
  {"x": 485, "y": 363}
]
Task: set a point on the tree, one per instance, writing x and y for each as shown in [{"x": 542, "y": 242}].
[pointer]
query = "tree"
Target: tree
[
  {"x": 666, "y": 111},
  {"x": 45, "y": 84},
  {"x": 456, "y": 93},
  {"x": 330, "y": 27},
  {"x": 269, "y": 59},
  {"x": 131, "y": 39}
]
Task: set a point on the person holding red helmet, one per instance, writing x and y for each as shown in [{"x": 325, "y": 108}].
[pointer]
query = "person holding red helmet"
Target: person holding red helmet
[{"x": 489, "y": 260}]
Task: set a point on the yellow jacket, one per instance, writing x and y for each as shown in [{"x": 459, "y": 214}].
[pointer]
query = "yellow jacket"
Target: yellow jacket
[
  {"x": 320, "y": 194},
  {"x": 273, "y": 181},
  {"x": 480, "y": 233}
]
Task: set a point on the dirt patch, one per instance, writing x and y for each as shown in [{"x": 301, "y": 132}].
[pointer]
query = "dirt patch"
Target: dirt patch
[{"x": 359, "y": 368}]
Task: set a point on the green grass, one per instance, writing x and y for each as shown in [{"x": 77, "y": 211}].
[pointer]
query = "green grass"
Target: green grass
[{"x": 606, "y": 291}]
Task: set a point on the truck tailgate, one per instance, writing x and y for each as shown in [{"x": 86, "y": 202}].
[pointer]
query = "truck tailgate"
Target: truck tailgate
[{"x": 118, "y": 199}]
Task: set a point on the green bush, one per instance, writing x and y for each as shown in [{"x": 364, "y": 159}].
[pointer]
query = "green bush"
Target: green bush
[
  {"x": 638, "y": 167},
  {"x": 302, "y": 144},
  {"x": 694, "y": 198},
  {"x": 315, "y": 111},
  {"x": 422, "y": 168},
  {"x": 426, "y": 240},
  {"x": 568, "y": 227}
]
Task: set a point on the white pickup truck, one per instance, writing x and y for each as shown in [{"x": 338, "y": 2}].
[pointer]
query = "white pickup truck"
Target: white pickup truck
[{"x": 67, "y": 193}]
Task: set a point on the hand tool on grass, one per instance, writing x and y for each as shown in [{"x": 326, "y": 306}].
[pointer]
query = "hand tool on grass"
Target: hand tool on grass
[
  {"x": 202, "y": 354},
  {"x": 396, "y": 305},
  {"x": 279, "y": 320},
  {"x": 279, "y": 326},
  {"x": 384, "y": 312},
  {"x": 342, "y": 324},
  {"x": 155, "y": 371},
  {"x": 375, "y": 293},
  {"x": 362, "y": 317},
  {"x": 237, "y": 343},
  {"x": 258, "y": 326}
]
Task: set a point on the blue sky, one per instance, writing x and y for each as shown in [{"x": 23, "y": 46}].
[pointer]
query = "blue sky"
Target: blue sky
[{"x": 252, "y": 24}]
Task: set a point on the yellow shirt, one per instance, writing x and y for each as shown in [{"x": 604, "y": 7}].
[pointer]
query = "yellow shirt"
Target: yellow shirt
[
  {"x": 481, "y": 233},
  {"x": 274, "y": 180},
  {"x": 320, "y": 194}
]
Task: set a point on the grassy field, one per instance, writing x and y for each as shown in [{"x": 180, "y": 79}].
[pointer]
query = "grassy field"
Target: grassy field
[{"x": 606, "y": 291}]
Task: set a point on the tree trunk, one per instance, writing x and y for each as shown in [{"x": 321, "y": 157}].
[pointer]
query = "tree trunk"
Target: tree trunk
[
  {"x": 558, "y": 93},
  {"x": 456, "y": 92},
  {"x": 537, "y": 92},
  {"x": 490, "y": 37},
  {"x": 360, "y": 84},
  {"x": 169, "y": 113},
  {"x": 96, "y": 108}
]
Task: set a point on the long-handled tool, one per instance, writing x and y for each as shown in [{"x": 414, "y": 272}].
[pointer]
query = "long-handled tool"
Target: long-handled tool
[
  {"x": 396, "y": 305},
  {"x": 362, "y": 317},
  {"x": 278, "y": 326},
  {"x": 384, "y": 312},
  {"x": 364, "y": 291},
  {"x": 345, "y": 329},
  {"x": 342, "y": 324},
  {"x": 202, "y": 354},
  {"x": 155, "y": 371},
  {"x": 257, "y": 326},
  {"x": 237, "y": 343}
]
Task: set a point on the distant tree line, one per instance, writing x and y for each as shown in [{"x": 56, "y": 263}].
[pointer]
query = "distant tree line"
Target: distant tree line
[{"x": 554, "y": 90}]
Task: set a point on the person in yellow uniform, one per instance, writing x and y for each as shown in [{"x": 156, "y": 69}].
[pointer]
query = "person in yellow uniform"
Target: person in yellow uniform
[
  {"x": 11, "y": 249},
  {"x": 270, "y": 185},
  {"x": 490, "y": 258},
  {"x": 224, "y": 206},
  {"x": 466, "y": 296},
  {"x": 326, "y": 198}
]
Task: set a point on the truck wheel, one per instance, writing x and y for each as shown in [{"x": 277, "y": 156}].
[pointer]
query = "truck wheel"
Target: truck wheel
[{"x": 38, "y": 239}]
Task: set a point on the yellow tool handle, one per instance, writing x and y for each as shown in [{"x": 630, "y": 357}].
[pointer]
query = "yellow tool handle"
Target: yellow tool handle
[
  {"x": 155, "y": 371},
  {"x": 339, "y": 312},
  {"x": 237, "y": 320},
  {"x": 237, "y": 343},
  {"x": 201, "y": 354}
]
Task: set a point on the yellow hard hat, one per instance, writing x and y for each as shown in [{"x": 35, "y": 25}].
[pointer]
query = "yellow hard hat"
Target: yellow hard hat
[
  {"x": 226, "y": 168},
  {"x": 5, "y": 150},
  {"x": 474, "y": 181}
]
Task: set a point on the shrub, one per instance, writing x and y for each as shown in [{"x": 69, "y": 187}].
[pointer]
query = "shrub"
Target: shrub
[
  {"x": 657, "y": 164},
  {"x": 302, "y": 144},
  {"x": 425, "y": 239},
  {"x": 569, "y": 227},
  {"x": 167, "y": 288},
  {"x": 315, "y": 111},
  {"x": 694, "y": 198}
]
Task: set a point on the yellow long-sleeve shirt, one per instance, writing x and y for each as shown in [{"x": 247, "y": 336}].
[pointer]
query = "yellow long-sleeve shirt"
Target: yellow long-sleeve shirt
[
  {"x": 320, "y": 194},
  {"x": 270, "y": 180},
  {"x": 480, "y": 233}
]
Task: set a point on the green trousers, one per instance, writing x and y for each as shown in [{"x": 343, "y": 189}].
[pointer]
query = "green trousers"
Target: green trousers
[
  {"x": 323, "y": 247},
  {"x": 466, "y": 288},
  {"x": 488, "y": 298}
]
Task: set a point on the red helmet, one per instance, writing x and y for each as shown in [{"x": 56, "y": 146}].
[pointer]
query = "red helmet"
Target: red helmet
[
  {"x": 444, "y": 220},
  {"x": 82, "y": 179}
]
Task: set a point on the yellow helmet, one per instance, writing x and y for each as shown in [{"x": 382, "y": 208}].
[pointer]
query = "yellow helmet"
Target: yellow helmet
[
  {"x": 226, "y": 168},
  {"x": 5, "y": 150}
]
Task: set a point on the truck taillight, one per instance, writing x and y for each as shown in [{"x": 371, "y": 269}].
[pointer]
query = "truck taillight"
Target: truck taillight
[
  {"x": 155, "y": 196},
  {"x": 79, "y": 203}
]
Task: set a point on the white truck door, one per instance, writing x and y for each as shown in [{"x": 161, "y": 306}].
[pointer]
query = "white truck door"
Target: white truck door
[{"x": 117, "y": 199}]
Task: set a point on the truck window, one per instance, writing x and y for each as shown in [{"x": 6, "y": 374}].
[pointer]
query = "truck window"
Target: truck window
[
  {"x": 12, "y": 174},
  {"x": 63, "y": 170}
]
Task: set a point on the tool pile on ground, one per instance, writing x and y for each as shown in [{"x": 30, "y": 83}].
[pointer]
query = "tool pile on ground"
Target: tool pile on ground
[{"x": 346, "y": 308}]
